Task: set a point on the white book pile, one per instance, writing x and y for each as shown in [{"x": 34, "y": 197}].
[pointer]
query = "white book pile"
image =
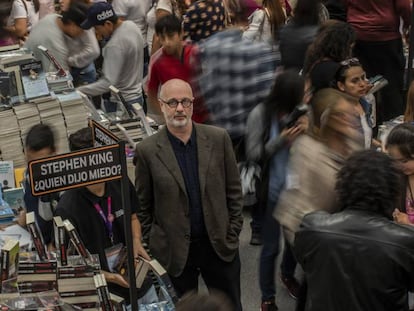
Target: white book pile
[
  {"x": 51, "y": 114},
  {"x": 74, "y": 111},
  {"x": 59, "y": 84},
  {"x": 130, "y": 130},
  {"x": 10, "y": 142},
  {"x": 27, "y": 116}
]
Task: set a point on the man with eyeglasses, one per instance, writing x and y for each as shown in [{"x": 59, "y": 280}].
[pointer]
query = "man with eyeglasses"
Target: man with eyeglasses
[{"x": 190, "y": 197}]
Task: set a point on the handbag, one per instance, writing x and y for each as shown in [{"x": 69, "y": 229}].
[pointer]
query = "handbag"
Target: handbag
[{"x": 250, "y": 176}]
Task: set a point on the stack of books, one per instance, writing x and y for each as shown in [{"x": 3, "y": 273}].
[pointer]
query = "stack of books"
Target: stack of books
[
  {"x": 36, "y": 235},
  {"x": 27, "y": 116},
  {"x": 36, "y": 275},
  {"x": 76, "y": 284},
  {"x": 9, "y": 266},
  {"x": 10, "y": 61},
  {"x": 58, "y": 84},
  {"x": 10, "y": 142},
  {"x": 74, "y": 111},
  {"x": 130, "y": 130},
  {"x": 51, "y": 114}
]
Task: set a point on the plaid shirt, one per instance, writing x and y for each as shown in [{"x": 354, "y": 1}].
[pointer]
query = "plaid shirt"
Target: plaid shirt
[{"x": 236, "y": 75}]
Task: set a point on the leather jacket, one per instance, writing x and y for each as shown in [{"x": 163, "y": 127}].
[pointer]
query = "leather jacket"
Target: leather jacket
[{"x": 355, "y": 260}]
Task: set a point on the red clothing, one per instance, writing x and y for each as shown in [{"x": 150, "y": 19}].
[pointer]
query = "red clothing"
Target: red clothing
[
  {"x": 164, "y": 67},
  {"x": 378, "y": 20}
]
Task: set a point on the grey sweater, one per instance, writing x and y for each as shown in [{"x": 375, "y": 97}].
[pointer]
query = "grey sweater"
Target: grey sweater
[{"x": 123, "y": 63}]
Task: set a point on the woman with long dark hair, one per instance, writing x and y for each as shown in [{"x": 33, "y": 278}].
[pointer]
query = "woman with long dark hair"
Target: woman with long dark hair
[
  {"x": 265, "y": 22},
  {"x": 268, "y": 141},
  {"x": 351, "y": 79}
]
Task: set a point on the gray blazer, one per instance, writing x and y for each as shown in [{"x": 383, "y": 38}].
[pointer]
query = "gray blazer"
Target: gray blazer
[{"x": 164, "y": 206}]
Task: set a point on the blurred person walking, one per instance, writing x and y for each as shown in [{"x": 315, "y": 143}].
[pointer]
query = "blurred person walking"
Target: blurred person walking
[
  {"x": 203, "y": 19},
  {"x": 268, "y": 141},
  {"x": 236, "y": 75},
  {"x": 319, "y": 156},
  {"x": 358, "y": 258},
  {"x": 299, "y": 33},
  {"x": 264, "y": 23}
]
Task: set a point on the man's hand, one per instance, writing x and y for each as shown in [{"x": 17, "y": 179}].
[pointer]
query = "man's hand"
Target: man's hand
[
  {"x": 400, "y": 217},
  {"x": 115, "y": 278},
  {"x": 301, "y": 126},
  {"x": 140, "y": 251}
]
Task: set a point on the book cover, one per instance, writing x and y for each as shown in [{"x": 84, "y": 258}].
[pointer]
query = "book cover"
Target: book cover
[
  {"x": 19, "y": 176},
  {"x": 6, "y": 175},
  {"x": 75, "y": 238},
  {"x": 37, "y": 236},
  {"x": 118, "y": 302},
  {"x": 34, "y": 80},
  {"x": 36, "y": 286},
  {"x": 38, "y": 265},
  {"x": 103, "y": 293},
  {"x": 14, "y": 197},
  {"x": 9, "y": 261},
  {"x": 162, "y": 276},
  {"x": 60, "y": 239},
  {"x": 5, "y": 88},
  {"x": 141, "y": 270}
]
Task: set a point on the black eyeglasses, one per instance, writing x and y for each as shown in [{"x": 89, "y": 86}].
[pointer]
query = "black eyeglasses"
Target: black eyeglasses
[
  {"x": 351, "y": 62},
  {"x": 173, "y": 102}
]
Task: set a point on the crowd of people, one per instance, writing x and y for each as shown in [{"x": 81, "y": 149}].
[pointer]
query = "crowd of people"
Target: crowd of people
[{"x": 277, "y": 87}]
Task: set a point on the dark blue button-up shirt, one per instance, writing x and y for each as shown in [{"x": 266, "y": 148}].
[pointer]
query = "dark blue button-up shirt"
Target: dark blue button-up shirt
[{"x": 186, "y": 155}]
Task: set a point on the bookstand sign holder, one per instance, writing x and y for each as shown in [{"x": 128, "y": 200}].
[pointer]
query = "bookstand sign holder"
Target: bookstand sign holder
[{"x": 105, "y": 162}]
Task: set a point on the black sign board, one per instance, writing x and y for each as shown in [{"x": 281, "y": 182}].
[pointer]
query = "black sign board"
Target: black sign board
[
  {"x": 102, "y": 136},
  {"x": 75, "y": 169}
]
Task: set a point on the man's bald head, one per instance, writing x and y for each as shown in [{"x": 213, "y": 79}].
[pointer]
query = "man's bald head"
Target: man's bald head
[{"x": 175, "y": 85}]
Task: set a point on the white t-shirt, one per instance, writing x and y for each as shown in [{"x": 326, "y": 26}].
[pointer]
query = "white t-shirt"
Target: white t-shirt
[
  {"x": 19, "y": 11},
  {"x": 151, "y": 19},
  {"x": 135, "y": 11}
]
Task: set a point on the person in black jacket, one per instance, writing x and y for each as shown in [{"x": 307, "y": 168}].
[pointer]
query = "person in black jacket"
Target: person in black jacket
[{"x": 359, "y": 259}]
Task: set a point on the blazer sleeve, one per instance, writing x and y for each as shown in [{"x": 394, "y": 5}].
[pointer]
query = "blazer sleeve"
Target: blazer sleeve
[
  {"x": 143, "y": 186},
  {"x": 233, "y": 190}
]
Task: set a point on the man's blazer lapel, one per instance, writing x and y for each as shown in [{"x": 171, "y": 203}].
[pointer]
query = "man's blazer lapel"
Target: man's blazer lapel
[{"x": 204, "y": 154}]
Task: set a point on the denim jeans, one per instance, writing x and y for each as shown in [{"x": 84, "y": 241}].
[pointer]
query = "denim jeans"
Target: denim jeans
[
  {"x": 84, "y": 75},
  {"x": 271, "y": 244},
  {"x": 149, "y": 297}
]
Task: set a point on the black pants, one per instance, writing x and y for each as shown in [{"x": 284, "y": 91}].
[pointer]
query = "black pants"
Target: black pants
[
  {"x": 216, "y": 273},
  {"x": 385, "y": 58}
]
